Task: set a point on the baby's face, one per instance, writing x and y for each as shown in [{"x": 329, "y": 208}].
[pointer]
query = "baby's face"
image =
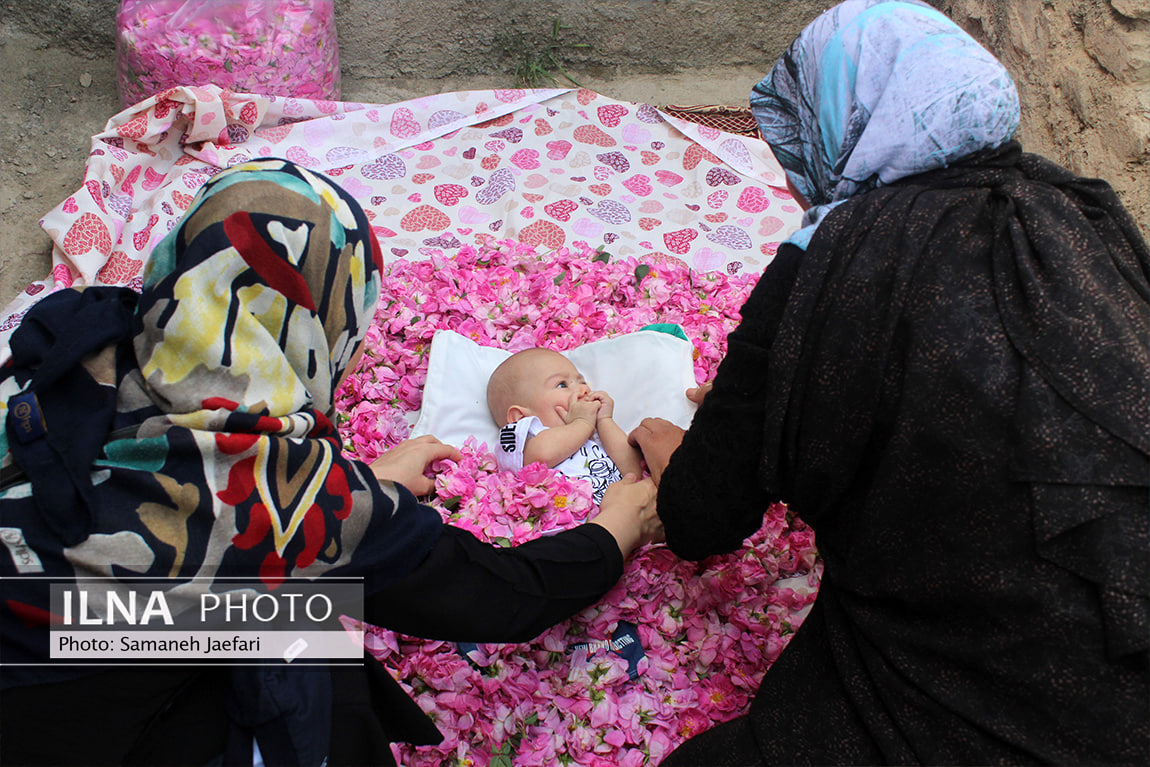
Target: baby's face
[{"x": 547, "y": 383}]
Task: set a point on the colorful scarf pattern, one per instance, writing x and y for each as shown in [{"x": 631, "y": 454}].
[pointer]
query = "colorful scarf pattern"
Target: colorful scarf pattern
[
  {"x": 877, "y": 90},
  {"x": 251, "y": 311}
]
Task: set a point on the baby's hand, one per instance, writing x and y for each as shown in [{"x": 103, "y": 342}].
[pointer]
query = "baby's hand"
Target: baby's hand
[
  {"x": 581, "y": 408},
  {"x": 606, "y": 404}
]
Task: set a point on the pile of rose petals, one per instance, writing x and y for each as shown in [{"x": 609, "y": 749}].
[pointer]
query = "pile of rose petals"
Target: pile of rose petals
[{"x": 579, "y": 693}]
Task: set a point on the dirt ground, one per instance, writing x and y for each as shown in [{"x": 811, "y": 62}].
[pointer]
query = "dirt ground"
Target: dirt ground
[
  {"x": 48, "y": 119},
  {"x": 1082, "y": 66}
]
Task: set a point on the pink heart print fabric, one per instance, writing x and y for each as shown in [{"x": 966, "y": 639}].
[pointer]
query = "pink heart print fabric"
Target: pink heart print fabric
[{"x": 545, "y": 167}]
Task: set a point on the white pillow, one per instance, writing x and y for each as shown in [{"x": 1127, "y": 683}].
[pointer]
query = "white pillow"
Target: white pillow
[{"x": 646, "y": 373}]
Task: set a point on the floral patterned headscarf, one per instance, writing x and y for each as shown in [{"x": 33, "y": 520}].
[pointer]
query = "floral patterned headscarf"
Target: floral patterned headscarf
[
  {"x": 251, "y": 311},
  {"x": 262, "y": 295},
  {"x": 223, "y": 459},
  {"x": 877, "y": 90}
]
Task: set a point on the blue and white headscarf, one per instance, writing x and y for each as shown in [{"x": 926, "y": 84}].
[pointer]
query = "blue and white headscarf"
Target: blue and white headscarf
[{"x": 876, "y": 90}]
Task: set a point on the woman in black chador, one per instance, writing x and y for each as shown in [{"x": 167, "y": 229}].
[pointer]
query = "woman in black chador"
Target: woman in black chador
[{"x": 945, "y": 373}]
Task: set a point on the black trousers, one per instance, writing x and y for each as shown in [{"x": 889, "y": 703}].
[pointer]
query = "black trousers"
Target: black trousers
[{"x": 127, "y": 716}]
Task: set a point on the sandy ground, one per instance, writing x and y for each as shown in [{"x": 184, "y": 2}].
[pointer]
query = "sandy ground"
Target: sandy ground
[{"x": 46, "y": 124}]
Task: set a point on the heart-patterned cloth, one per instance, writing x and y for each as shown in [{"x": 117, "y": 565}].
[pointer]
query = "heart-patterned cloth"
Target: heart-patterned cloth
[{"x": 548, "y": 167}]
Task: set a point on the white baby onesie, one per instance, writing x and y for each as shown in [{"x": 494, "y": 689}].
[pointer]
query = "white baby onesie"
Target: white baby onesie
[{"x": 589, "y": 462}]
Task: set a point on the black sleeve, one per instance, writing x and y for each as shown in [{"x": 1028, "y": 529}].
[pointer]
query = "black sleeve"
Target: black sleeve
[
  {"x": 468, "y": 590},
  {"x": 710, "y": 496}
]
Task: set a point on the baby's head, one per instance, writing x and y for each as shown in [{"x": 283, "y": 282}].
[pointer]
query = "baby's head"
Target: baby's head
[{"x": 533, "y": 382}]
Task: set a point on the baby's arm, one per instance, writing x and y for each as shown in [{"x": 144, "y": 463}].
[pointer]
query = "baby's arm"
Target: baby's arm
[
  {"x": 614, "y": 439},
  {"x": 554, "y": 445}
]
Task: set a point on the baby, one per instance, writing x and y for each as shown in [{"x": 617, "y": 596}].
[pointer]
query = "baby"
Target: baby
[{"x": 546, "y": 412}]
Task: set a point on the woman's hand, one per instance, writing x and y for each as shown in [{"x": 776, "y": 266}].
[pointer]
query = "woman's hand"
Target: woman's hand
[
  {"x": 698, "y": 393},
  {"x": 406, "y": 463},
  {"x": 657, "y": 439},
  {"x": 628, "y": 513}
]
